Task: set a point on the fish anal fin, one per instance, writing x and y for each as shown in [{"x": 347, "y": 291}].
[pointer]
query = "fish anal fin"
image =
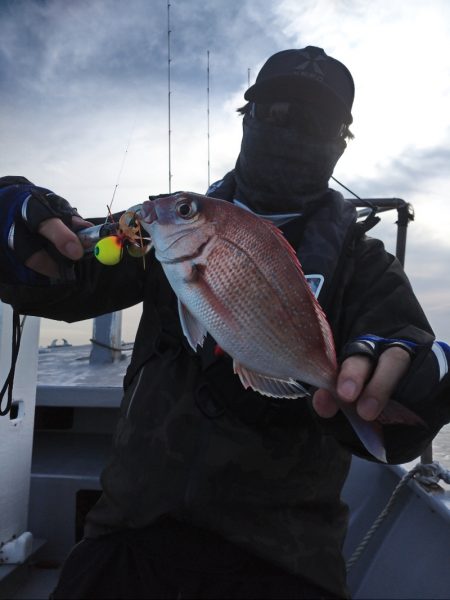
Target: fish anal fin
[
  {"x": 194, "y": 331},
  {"x": 269, "y": 386}
]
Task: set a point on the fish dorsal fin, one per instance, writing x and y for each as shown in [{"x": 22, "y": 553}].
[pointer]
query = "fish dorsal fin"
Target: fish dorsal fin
[
  {"x": 194, "y": 331},
  {"x": 321, "y": 317},
  {"x": 269, "y": 386},
  {"x": 284, "y": 242}
]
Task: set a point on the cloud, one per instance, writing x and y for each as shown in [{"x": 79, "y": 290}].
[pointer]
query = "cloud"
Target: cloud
[
  {"x": 75, "y": 44},
  {"x": 398, "y": 55},
  {"x": 93, "y": 75}
]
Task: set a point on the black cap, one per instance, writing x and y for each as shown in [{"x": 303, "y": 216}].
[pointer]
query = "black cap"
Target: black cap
[{"x": 307, "y": 74}]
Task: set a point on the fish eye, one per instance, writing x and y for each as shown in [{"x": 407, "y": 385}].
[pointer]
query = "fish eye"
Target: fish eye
[{"x": 186, "y": 210}]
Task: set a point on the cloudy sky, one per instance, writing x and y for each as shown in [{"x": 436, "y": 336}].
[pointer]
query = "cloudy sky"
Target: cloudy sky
[{"x": 83, "y": 105}]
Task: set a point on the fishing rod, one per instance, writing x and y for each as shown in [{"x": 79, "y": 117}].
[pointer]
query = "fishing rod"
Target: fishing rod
[
  {"x": 107, "y": 240},
  {"x": 91, "y": 236},
  {"x": 169, "y": 94},
  {"x": 207, "y": 117},
  {"x": 121, "y": 169}
]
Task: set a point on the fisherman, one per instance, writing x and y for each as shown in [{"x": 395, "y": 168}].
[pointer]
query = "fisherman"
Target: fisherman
[{"x": 214, "y": 491}]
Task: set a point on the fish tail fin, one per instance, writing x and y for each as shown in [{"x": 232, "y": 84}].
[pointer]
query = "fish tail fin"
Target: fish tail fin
[
  {"x": 395, "y": 413},
  {"x": 369, "y": 432}
]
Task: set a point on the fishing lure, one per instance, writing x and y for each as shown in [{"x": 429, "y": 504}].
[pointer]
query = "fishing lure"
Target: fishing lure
[{"x": 107, "y": 241}]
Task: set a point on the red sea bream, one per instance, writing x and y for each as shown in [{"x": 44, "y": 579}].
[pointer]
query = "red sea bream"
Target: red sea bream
[{"x": 237, "y": 278}]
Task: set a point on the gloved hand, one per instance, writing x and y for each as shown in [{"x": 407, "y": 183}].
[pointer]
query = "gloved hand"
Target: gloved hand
[
  {"x": 370, "y": 372},
  {"x": 36, "y": 233},
  {"x": 372, "y": 368}
]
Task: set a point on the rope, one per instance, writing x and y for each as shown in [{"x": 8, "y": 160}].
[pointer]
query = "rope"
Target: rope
[
  {"x": 9, "y": 382},
  {"x": 428, "y": 474}
]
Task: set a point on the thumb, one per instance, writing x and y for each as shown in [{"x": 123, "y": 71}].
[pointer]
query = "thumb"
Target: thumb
[{"x": 64, "y": 240}]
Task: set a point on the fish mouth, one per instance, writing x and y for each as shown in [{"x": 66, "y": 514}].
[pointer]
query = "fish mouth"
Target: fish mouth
[{"x": 147, "y": 212}]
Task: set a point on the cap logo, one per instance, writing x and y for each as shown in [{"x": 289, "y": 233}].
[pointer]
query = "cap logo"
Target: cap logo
[{"x": 310, "y": 67}]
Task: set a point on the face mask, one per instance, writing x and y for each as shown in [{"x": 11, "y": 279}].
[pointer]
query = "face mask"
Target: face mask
[{"x": 279, "y": 169}]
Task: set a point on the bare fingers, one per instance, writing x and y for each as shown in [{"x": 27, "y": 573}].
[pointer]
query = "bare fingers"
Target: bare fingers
[{"x": 64, "y": 240}]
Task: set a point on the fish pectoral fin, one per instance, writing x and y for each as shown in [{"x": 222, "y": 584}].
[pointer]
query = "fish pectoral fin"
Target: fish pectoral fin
[
  {"x": 269, "y": 386},
  {"x": 194, "y": 331}
]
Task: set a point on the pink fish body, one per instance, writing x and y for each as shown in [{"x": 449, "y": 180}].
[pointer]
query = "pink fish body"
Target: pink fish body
[{"x": 237, "y": 278}]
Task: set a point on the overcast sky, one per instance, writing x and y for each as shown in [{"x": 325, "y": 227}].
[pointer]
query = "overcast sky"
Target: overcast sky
[{"x": 83, "y": 105}]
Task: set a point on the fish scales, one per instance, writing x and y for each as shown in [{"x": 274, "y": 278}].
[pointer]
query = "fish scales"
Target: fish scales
[
  {"x": 281, "y": 308},
  {"x": 251, "y": 340}
]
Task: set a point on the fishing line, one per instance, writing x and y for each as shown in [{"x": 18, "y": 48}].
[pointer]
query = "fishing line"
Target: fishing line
[
  {"x": 346, "y": 188},
  {"x": 121, "y": 168},
  {"x": 363, "y": 202}
]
